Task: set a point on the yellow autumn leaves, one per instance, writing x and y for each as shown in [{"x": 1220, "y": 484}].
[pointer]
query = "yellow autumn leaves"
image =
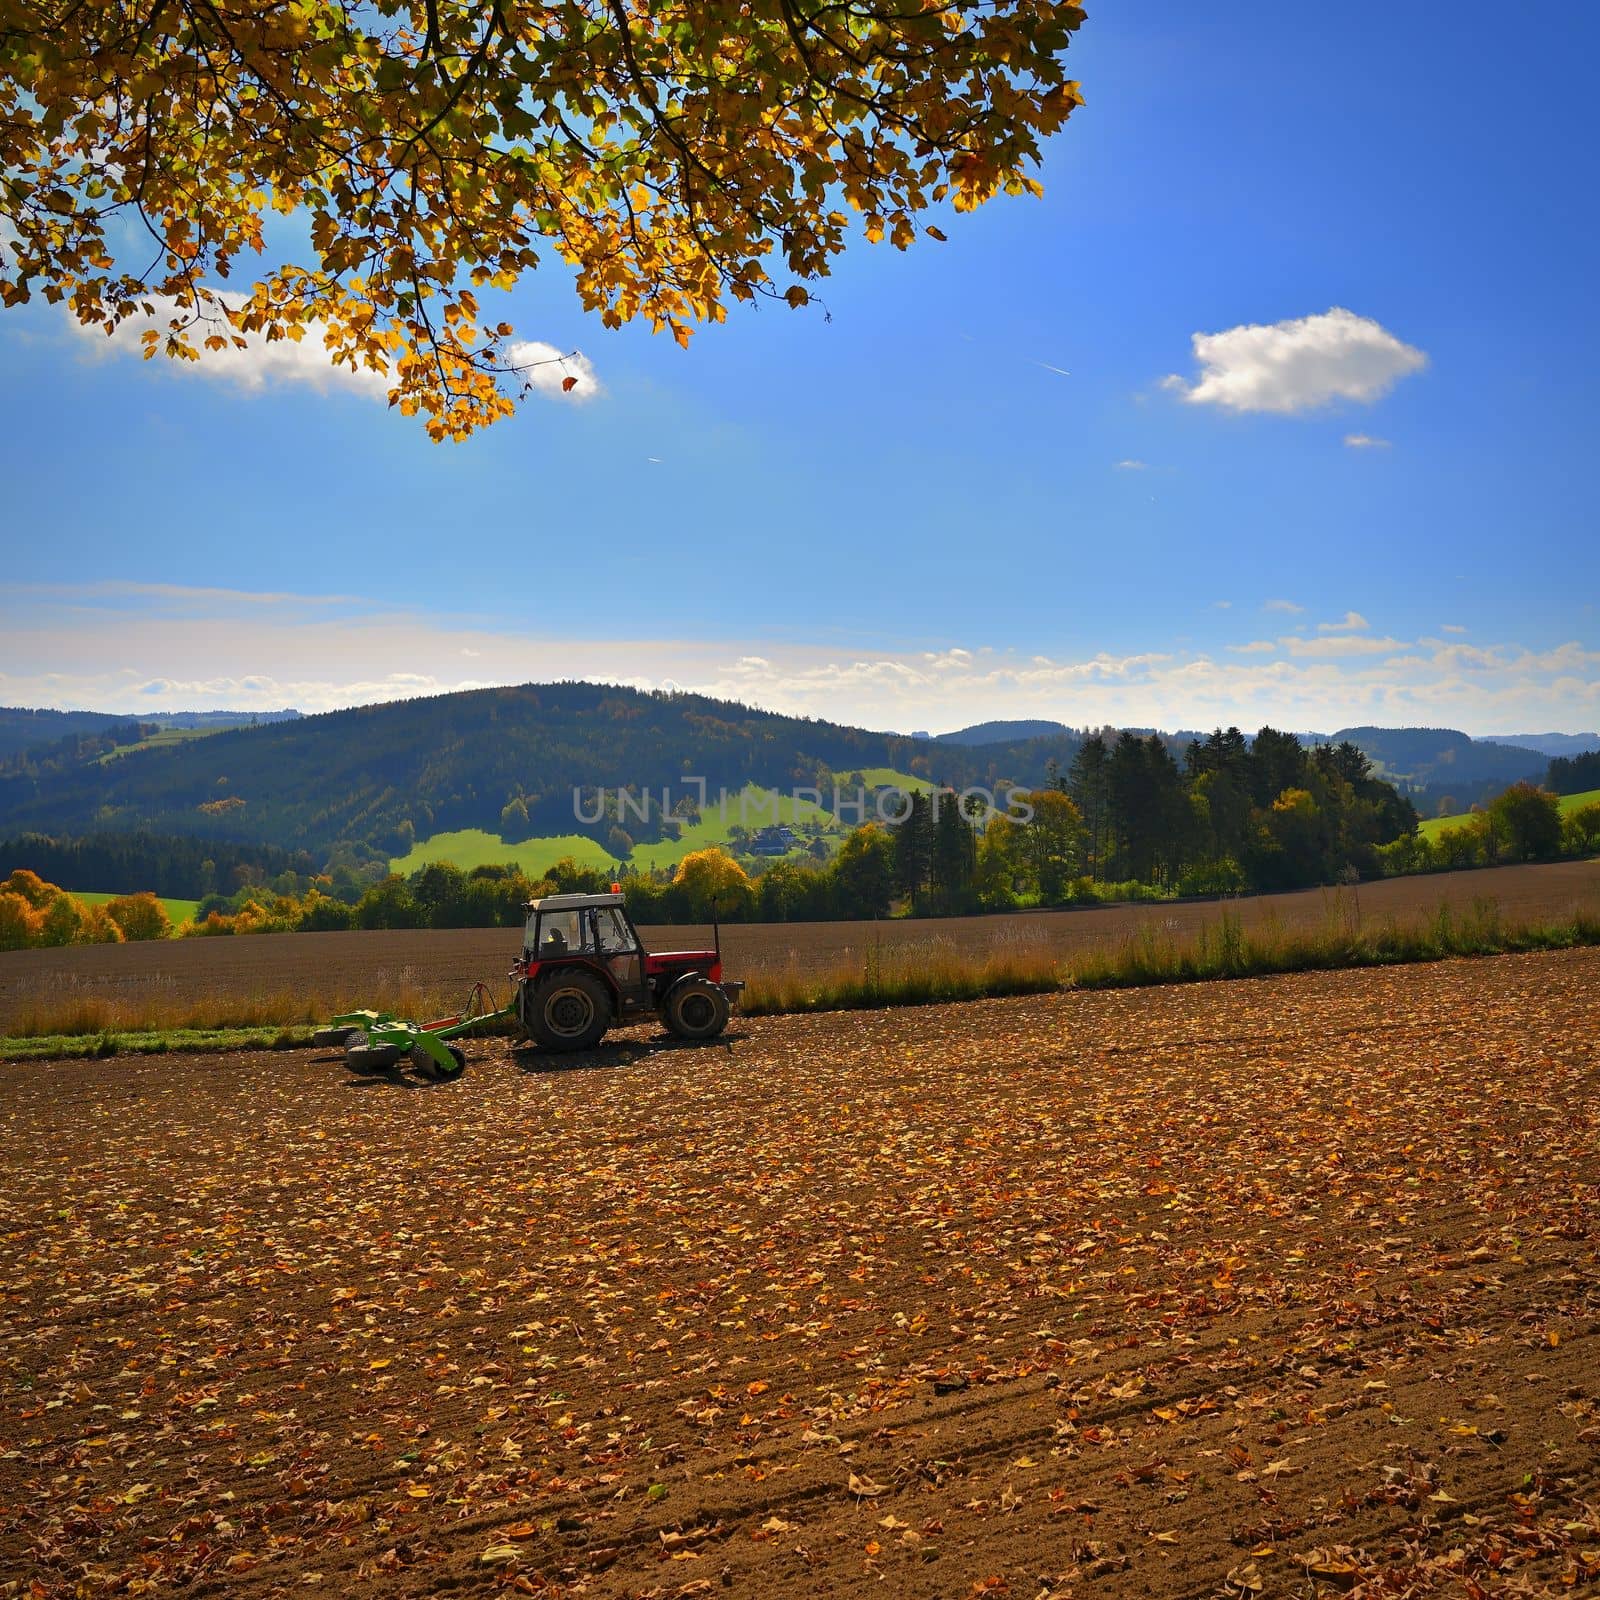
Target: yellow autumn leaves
[{"x": 674, "y": 157}]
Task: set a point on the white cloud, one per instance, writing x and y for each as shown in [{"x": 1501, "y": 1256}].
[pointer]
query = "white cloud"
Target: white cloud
[
  {"x": 1132, "y": 464},
  {"x": 1352, "y": 622},
  {"x": 1297, "y": 365},
  {"x": 1222, "y": 605},
  {"x": 260, "y": 363},
  {"x": 264, "y": 363},
  {"x": 1283, "y": 605},
  {"x": 547, "y": 368},
  {"x": 1451, "y": 627},
  {"x": 1365, "y": 441},
  {"x": 1347, "y": 644},
  {"x": 100, "y": 652}
]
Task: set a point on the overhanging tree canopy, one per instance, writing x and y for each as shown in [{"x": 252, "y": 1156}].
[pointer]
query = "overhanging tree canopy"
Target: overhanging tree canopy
[{"x": 676, "y": 155}]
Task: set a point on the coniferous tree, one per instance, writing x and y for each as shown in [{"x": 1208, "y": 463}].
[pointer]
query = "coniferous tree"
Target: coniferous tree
[
  {"x": 1088, "y": 784},
  {"x": 913, "y": 848},
  {"x": 954, "y": 853}
]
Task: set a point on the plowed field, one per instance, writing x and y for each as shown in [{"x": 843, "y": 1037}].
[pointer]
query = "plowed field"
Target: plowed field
[{"x": 1262, "y": 1288}]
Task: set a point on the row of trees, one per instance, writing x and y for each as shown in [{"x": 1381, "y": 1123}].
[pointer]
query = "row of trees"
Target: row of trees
[
  {"x": 37, "y": 914},
  {"x": 166, "y": 864},
  {"x": 1126, "y": 820}
]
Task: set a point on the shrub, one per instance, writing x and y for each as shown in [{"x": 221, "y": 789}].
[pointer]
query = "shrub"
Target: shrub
[
  {"x": 322, "y": 914},
  {"x": 139, "y": 916},
  {"x": 387, "y": 905},
  {"x": 1465, "y": 846},
  {"x": 19, "y": 921},
  {"x": 1529, "y": 820},
  {"x": 66, "y": 921},
  {"x": 1580, "y": 830},
  {"x": 1409, "y": 853},
  {"x": 1213, "y": 877},
  {"x": 712, "y": 874},
  {"x": 31, "y": 887}
]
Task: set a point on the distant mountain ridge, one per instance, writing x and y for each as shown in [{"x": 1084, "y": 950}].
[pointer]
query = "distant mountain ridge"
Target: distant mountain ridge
[
  {"x": 1001, "y": 732},
  {"x": 1551, "y": 744},
  {"x": 373, "y": 779},
  {"x": 1429, "y": 756},
  {"x": 22, "y": 728}
]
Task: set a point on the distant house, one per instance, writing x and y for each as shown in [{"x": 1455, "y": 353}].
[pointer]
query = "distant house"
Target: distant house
[{"x": 778, "y": 840}]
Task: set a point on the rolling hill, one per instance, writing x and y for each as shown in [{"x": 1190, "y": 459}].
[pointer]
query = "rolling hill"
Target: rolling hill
[
  {"x": 1550, "y": 744},
  {"x": 491, "y": 774},
  {"x": 505, "y": 761},
  {"x": 1005, "y": 732}
]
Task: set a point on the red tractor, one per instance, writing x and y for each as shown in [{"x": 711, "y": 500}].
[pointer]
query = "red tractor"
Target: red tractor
[{"x": 583, "y": 970}]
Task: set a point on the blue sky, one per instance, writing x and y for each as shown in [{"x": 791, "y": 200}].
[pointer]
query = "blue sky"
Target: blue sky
[{"x": 903, "y": 516}]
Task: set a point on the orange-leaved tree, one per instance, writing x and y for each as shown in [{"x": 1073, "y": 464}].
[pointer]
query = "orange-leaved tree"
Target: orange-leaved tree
[
  {"x": 675, "y": 155},
  {"x": 712, "y": 881}
]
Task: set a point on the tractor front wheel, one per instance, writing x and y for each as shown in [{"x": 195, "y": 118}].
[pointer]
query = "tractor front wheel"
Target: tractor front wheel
[
  {"x": 696, "y": 1009},
  {"x": 569, "y": 1011}
]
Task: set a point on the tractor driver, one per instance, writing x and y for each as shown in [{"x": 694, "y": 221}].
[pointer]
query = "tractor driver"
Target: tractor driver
[{"x": 563, "y": 935}]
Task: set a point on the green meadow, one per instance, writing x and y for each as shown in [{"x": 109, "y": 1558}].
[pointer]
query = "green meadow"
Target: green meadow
[
  {"x": 754, "y": 808},
  {"x": 158, "y": 740},
  {"x": 177, "y": 910},
  {"x": 475, "y": 847},
  {"x": 1433, "y": 826}
]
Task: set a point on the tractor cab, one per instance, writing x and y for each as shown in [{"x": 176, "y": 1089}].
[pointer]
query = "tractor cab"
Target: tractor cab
[
  {"x": 583, "y": 969},
  {"x": 562, "y": 924}
]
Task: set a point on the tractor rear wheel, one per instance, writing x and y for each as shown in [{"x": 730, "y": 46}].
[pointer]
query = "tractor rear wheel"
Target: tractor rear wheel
[
  {"x": 696, "y": 1009},
  {"x": 569, "y": 1010},
  {"x": 324, "y": 1037},
  {"x": 361, "y": 1055}
]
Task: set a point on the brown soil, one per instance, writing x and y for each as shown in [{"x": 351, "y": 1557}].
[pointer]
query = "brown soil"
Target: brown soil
[
  {"x": 445, "y": 963},
  {"x": 1250, "y": 1289}
]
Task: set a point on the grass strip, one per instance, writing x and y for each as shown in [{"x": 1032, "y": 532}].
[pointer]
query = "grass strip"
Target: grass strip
[{"x": 151, "y": 1042}]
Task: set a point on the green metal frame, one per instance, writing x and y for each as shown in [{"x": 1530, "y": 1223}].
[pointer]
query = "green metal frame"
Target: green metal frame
[{"x": 384, "y": 1030}]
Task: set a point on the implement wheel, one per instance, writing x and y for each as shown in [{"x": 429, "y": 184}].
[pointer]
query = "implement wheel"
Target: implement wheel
[
  {"x": 569, "y": 1010},
  {"x": 696, "y": 1009},
  {"x": 425, "y": 1066},
  {"x": 360, "y": 1055}
]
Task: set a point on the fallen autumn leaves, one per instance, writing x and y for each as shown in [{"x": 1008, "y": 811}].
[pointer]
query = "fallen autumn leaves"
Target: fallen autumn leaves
[{"x": 1250, "y": 1289}]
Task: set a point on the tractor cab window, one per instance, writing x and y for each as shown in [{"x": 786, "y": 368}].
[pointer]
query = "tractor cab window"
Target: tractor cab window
[
  {"x": 616, "y": 937},
  {"x": 562, "y": 933}
]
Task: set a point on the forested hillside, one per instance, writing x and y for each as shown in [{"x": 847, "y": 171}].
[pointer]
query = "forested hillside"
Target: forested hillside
[
  {"x": 1435, "y": 758},
  {"x": 1574, "y": 774},
  {"x": 317, "y": 807},
  {"x": 493, "y": 758}
]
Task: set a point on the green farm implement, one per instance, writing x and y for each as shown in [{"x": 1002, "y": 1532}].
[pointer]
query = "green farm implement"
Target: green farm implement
[{"x": 376, "y": 1041}]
